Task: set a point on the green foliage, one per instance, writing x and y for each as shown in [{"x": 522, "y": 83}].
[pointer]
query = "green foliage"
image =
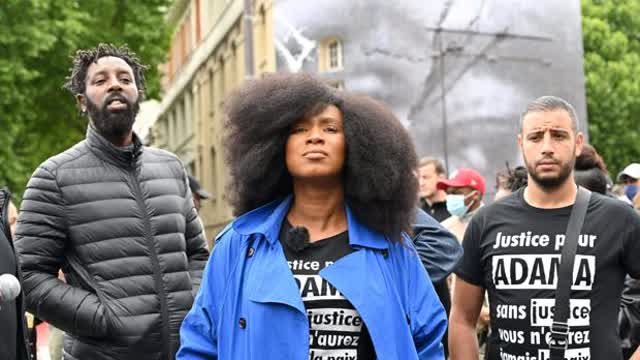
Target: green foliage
[
  {"x": 37, "y": 117},
  {"x": 611, "y": 31}
]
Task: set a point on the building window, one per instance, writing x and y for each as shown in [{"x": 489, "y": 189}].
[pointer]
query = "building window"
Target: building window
[
  {"x": 338, "y": 84},
  {"x": 213, "y": 173},
  {"x": 335, "y": 55},
  {"x": 233, "y": 66},
  {"x": 222, "y": 89},
  {"x": 179, "y": 123},
  {"x": 330, "y": 55}
]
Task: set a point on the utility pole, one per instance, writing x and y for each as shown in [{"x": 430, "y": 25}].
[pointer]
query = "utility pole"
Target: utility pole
[
  {"x": 458, "y": 50},
  {"x": 443, "y": 104}
]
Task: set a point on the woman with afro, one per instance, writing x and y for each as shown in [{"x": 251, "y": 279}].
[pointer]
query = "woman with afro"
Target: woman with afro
[{"x": 318, "y": 264}]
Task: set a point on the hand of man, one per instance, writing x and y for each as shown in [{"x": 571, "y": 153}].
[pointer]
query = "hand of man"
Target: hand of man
[{"x": 485, "y": 316}]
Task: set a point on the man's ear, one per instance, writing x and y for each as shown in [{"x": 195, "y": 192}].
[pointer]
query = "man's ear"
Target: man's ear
[
  {"x": 140, "y": 95},
  {"x": 579, "y": 143},
  {"x": 81, "y": 100},
  {"x": 520, "y": 140}
]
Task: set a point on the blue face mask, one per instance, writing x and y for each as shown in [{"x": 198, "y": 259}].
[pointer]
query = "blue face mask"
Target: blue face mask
[
  {"x": 455, "y": 204},
  {"x": 631, "y": 191}
]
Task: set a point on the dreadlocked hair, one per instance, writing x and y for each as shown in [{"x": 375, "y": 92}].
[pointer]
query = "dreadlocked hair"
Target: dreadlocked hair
[
  {"x": 76, "y": 81},
  {"x": 378, "y": 178},
  {"x": 518, "y": 178},
  {"x": 512, "y": 179}
]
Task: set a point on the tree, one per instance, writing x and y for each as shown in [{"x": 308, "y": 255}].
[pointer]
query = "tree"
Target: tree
[
  {"x": 611, "y": 31},
  {"x": 38, "y": 118}
]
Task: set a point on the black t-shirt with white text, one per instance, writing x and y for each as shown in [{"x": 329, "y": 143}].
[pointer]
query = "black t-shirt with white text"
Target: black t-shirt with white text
[
  {"x": 336, "y": 330},
  {"x": 513, "y": 251}
]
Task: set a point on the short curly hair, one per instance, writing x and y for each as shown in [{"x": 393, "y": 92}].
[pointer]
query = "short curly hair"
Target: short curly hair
[
  {"x": 76, "y": 81},
  {"x": 379, "y": 181}
]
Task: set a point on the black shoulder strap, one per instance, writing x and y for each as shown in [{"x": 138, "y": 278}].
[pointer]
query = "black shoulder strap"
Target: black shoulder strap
[{"x": 560, "y": 327}]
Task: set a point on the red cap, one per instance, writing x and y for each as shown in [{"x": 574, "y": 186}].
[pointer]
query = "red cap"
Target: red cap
[{"x": 463, "y": 178}]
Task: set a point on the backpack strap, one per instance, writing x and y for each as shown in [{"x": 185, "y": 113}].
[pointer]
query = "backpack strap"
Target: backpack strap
[{"x": 560, "y": 326}]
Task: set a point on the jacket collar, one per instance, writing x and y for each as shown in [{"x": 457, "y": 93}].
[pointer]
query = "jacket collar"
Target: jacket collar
[
  {"x": 267, "y": 220},
  {"x": 106, "y": 150}
]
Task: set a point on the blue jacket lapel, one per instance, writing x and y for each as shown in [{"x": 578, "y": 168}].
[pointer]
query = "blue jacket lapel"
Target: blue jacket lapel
[{"x": 272, "y": 281}]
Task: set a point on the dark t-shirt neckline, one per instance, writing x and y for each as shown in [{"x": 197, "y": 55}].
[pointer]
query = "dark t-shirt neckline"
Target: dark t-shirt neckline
[
  {"x": 286, "y": 226},
  {"x": 321, "y": 299},
  {"x": 554, "y": 211}
]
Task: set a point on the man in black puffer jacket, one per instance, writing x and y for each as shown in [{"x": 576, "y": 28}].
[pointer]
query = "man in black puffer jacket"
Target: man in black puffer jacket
[{"x": 118, "y": 218}]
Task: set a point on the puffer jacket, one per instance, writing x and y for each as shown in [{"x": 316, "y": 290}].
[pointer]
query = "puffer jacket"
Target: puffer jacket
[{"x": 122, "y": 226}]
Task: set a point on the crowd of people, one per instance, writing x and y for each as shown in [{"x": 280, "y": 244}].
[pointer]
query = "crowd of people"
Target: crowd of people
[{"x": 343, "y": 246}]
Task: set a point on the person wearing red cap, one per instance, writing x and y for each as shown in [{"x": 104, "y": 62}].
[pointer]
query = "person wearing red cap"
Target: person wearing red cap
[{"x": 464, "y": 189}]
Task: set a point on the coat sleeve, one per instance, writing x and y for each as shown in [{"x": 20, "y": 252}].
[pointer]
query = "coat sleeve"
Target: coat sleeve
[
  {"x": 438, "y": 249},
  {"x": 197, "y": 251},
  {"x": 198, "y": 334},
  {"x": 428, "y": 319},
  {"x": 41, "y": 238}
]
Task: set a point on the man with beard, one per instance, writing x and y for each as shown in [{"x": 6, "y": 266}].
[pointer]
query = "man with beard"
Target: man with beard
[
  {"x": 512, "y": 249},
  {"x": 119, "y": 220}
]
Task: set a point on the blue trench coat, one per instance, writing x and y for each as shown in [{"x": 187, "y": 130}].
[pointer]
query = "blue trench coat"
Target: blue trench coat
[{"x": 249, "y": 306}]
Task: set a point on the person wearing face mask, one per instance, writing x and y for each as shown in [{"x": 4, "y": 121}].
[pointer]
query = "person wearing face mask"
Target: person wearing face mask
[
  {"x": 630, "y": 177},
  {"x": 465, "y": 189}
]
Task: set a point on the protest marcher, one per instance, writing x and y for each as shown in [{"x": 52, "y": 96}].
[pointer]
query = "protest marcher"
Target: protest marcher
[
  {"x": 432, "y": 200},
  {"x": 324, "y": 189},
  {"x": 118, "y": 218},
  {"x": 510, "y": 180},
  {"x": 198, "y": 192},
  {"x": 630, "y": 178},
  {"x": 465, "y": 189},
  {"x": 513, "y": 248},
  {"x": 440, "y": 253},
  {"x": 13, "y": 332},
  {"x": 591, "y": 171}
]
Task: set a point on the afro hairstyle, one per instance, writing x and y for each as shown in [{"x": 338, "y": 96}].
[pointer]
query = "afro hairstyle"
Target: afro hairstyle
[{"x": 378, "y": 178}]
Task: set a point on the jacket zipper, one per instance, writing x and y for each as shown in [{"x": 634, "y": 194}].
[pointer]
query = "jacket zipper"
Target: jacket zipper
[{"x": 155, "y": 262}]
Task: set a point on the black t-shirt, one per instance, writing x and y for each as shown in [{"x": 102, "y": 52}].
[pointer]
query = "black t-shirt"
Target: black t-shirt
[
  {"x": 437, "y": 210},
  {"x": 513, "y": 250},
  {"x": 336, "y": 329}
]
